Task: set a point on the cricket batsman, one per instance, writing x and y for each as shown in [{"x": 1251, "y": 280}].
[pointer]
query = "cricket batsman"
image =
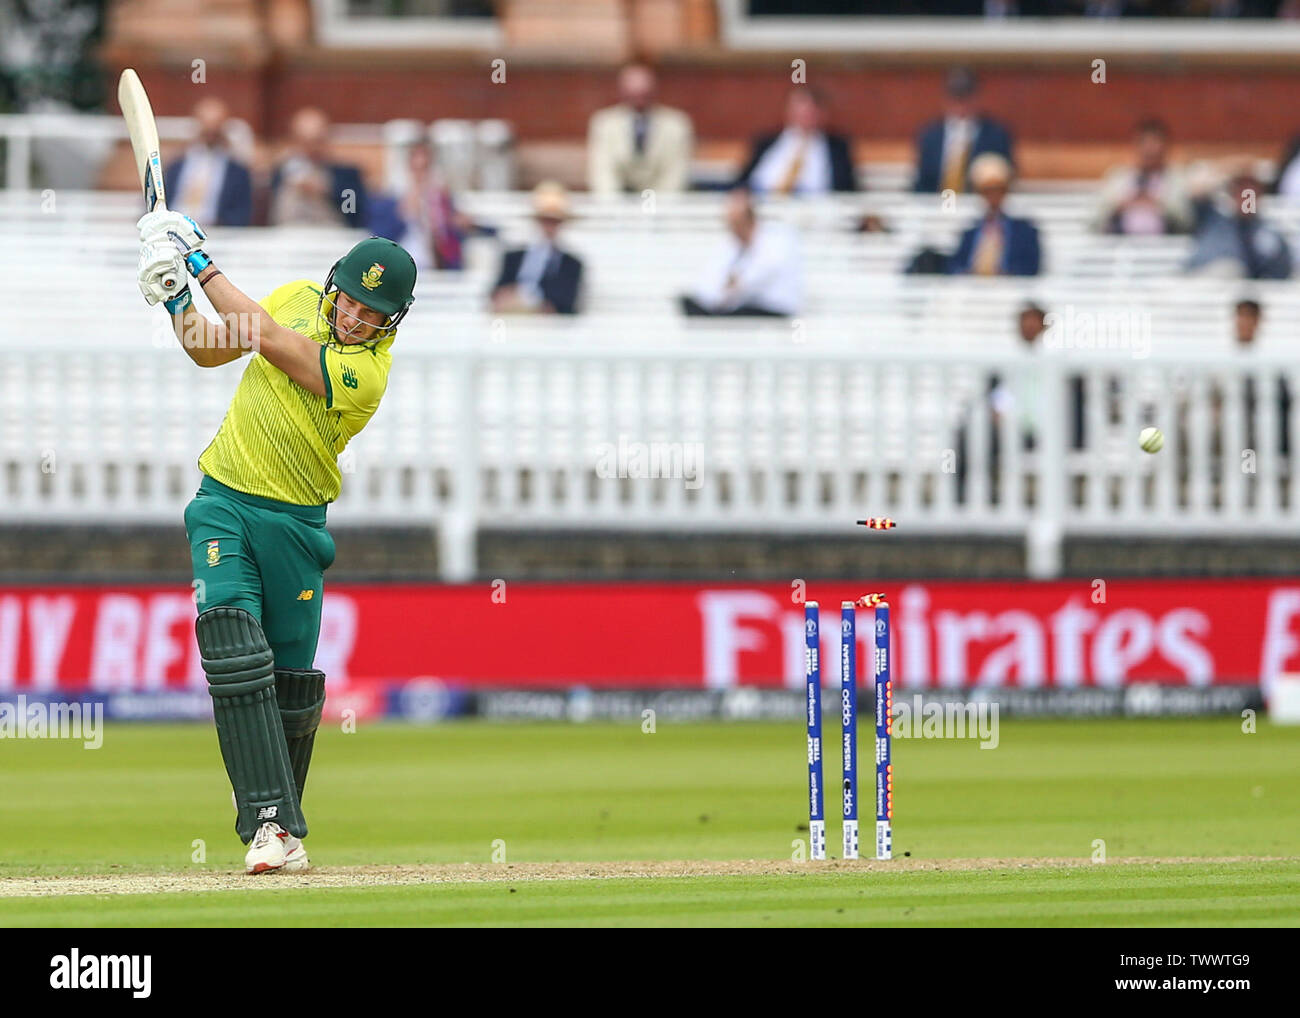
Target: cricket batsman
[{"x": 256, "y": 526}]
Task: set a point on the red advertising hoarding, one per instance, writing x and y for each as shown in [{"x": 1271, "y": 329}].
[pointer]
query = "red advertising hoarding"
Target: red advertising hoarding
[{"x": 946, "y": 634}]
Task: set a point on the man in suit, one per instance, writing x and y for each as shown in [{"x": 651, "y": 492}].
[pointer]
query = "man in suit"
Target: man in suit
[
  {"x": 1233, "y": 239},
  {"x": 308, "y": 187},
  {"x": 207, "y": 183},
  {"x": 997, "y": 245},
  {"x": 638, "y": 145},
  {"x": 802, "y": 158},
  {"x": 946, "y": 148},
  {"x": 541, "y": 278}
]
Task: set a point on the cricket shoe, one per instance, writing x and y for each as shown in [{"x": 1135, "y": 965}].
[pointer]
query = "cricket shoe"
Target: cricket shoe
[
  {"x": 295, "y": 854},
  {"x": 273, "y": 849}
]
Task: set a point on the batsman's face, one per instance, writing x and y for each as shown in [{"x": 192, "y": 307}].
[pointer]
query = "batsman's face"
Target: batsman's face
[{"x": 353, "y": 321}]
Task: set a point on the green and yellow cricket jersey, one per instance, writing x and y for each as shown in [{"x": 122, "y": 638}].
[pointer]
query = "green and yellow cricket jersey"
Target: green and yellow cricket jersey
[{"x": 280, "y": 441}]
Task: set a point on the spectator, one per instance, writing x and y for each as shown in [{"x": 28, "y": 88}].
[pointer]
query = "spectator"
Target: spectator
[
  {"x": 1149, "y": 198},
  {"x": 802, "y": 158},
  {"x": 542, "y": 277},
  {"x": 1246, "y": 315},
  {"x": 638, "y": 144},
  {"x": 997, "y": 245},
  {"x": 1017, "y": 401},
  {"x": 308, "y": 188},
  {"x": 1246, "y": 318},
  {"x": 1019, "y": 405},
  {"x": 756, "y": 271},
  {"x": 1241, "y": 387},
  {"x": 207, "y": 182},
  {"x": 947, "y": 148},
  {"x": 1235, "y": 240},
  {"x": 1021, "y": 401},
  {"x": 1035, "y": 334},
  {"x": 1287, "y": 181},
  {"x": 423, "y": 219}
]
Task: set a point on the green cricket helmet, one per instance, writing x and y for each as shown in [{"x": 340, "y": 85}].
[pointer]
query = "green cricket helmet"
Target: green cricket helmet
[{"x": 378, "y": 273}]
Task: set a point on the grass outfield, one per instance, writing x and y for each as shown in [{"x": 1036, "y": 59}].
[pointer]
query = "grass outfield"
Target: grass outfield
[
  {"x": 399, "y": 796},
  {"x": 1209, "y": 894}
]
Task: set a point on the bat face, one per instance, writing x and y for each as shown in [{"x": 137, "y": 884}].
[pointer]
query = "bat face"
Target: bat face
[{"x": 144, "y": 138}]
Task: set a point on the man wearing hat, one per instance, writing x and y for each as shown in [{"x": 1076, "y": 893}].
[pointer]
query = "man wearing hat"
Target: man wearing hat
[
  {"x": 997, "y": 245},
  {"x": 541, "y": 278},
  {"x": 256, "y": 526},
  {"x": 946, "y": 148}
]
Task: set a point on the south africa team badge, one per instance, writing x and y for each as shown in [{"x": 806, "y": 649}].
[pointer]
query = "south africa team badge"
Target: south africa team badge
[
  {"x": 214, "y": 552},
  {"x": 372, "y": 276}
]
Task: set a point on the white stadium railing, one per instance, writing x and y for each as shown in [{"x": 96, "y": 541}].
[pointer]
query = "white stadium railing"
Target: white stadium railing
[
  {"x": 876, "y": 402},
  {"x": 538, "y": 432}
]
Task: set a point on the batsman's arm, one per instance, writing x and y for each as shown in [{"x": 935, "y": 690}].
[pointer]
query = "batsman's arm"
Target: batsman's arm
[
  {"x": 249, "y": 327},
  {"x": 207, "y": 343},
  {"x": 204, "y": 342}
]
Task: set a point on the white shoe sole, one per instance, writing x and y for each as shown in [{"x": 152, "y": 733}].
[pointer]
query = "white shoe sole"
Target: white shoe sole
[{"x": 295, "y": 861}]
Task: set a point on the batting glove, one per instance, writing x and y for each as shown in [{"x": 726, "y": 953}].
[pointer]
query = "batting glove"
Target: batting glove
[
  {"x": 162, "y": 272},
  {"x": 181, "y": 231}
]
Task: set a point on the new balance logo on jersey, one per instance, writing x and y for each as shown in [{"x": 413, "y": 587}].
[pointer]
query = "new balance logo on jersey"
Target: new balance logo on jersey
[
  {"x": 306, "y": 595},
  {"x": 268, "y": 812},
  {"x": 349, "y": 378}
]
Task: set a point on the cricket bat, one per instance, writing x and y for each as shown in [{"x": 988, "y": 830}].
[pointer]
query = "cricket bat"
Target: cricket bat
[{"x": 140, "y": 125}]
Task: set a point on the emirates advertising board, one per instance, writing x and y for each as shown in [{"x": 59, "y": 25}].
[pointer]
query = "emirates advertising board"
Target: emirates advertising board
[{"x": 448, "y": 648}]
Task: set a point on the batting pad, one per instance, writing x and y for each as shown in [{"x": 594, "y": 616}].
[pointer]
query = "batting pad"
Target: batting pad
[
  {"x": 241, "y": 678},
  {"x": 300, "y": 693}
]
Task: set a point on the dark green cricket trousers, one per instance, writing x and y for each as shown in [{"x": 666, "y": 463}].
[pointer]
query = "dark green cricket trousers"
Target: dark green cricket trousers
[{"x": 266, "y": 557}]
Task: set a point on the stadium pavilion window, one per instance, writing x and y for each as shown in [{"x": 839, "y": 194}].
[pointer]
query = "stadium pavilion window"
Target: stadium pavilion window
[
  {"x": 1010, "y": 8},
  {"x": 419, "y": 8},
  {"x": 859, "y": 8},
  {"x": 785, "y": 8},
  {"x": 428, "y": 24}
]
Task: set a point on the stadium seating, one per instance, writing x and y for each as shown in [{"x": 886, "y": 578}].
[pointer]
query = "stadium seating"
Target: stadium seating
[{"x": 859, "y": 405}]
